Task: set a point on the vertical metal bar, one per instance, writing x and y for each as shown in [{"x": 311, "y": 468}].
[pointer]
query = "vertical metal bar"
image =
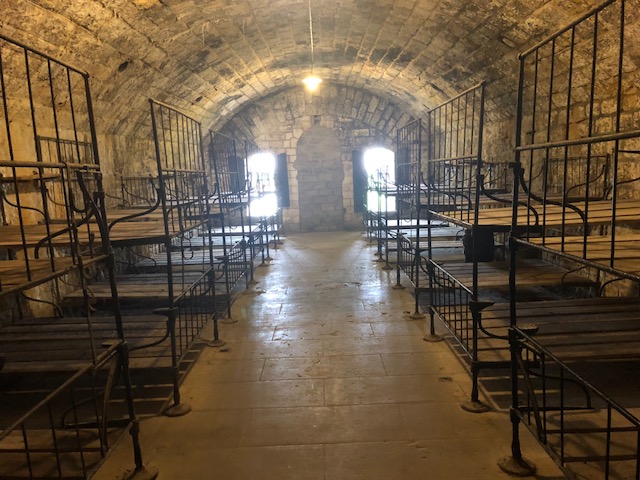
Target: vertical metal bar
[
  {"x": 473, "y": 145},
  {"x": 54, "y": 439},
  {"x": 72, "y": 110},
  {"x": 562, "y": 417},
  {"x": 534, "y": 109},
  {"x": 594, "y": 66},
  {"x": 418, "y": 163},
  {"x": 616, "y": 149},
  {"x": 545, "y": 393},
  {"x": 42, "y": 186},
  {"x": 457, "y": 142},
  {"x": 134, "y": 430},
  {"x": 74, "y": 409},
  {"x": 566, "y": 137},
  {"x": 400, "y": 188},
  {"x": 14, "y": 171},
  {"x": 473, "y": 123},
  {"x": 465, "y": 127},
  {"x": 516, "y": 450},
  {"x": 638, "y": 453},
  {"x": 607, "y": 462}
]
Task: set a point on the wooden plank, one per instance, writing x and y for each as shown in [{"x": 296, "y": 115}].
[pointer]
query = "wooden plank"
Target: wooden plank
[
  {"x": 14, "y": 277},
  {"x": 626, "y": 252},
  {"x": 598, "y": 328},
  {"x": 63, "y": 344},
  {"x": 552, "y": 215},
  {"x": 11, "y": 236},
  {"x": 528, "y": 273}
]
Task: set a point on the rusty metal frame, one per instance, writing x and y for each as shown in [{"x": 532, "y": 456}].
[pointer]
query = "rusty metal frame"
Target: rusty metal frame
[
  {"x": 66, "y": 185},
  {"x": 548, "y": 97}
]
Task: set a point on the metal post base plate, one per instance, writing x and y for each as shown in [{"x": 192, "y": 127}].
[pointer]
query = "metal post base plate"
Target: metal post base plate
[
  {"x": 417, "y": 316},
  {"x": 398, "y": 286},
  {"x": 144, "y": 473},
  {"x": 432, "y": 338},
  {"x": 216, "y": 343},
  {"x": 517, "y": 467},
  {"x": 228, "y": 321},
  {"x": 475, "y": 407},
  {"x": 177, "y": 410}
]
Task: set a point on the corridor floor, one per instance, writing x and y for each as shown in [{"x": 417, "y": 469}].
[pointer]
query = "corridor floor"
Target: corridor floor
[{"x": 326, "y": 377}]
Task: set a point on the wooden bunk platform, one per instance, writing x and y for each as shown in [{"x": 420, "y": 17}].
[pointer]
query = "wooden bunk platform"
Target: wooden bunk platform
[
  {"x": 190, "y": 260},
  {"x": 530, "y": 273},
  {"x": 53, "y": 344},
  {"x": 11, "y": 236},
  {"x": 145, "y": 233},
  {"x": 14, "y": 276},
  {"x": 598, "y": 249},
  {"x": 151, "y": 288},
  {"x": 592, "y": 329},
  {"x": 599, "y": 213}
]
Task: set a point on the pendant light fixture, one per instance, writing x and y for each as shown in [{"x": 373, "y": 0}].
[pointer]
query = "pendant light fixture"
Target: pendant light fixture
[{"x": 312, "y": 81}]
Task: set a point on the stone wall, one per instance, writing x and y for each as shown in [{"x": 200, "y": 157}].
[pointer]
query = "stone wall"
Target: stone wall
[
  {"x": 358, "y": 120},
  {"x": 320, "y": 176}
]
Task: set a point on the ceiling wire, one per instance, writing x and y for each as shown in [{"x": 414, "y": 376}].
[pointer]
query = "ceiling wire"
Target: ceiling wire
[{"x": 311, "y": 37}]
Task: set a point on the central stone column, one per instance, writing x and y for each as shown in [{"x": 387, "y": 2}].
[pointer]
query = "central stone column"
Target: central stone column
[{"x": 320, "y": 176}]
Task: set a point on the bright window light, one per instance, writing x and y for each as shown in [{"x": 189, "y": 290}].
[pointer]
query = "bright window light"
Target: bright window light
[
  {"x": 379, "y": 163},
  {"x": 380, "y": 160},
  {"x": 262, "y": 170}
]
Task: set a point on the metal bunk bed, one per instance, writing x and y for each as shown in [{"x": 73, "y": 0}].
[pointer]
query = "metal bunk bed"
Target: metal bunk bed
[
  {"x": 574, "y": 363},
  {"x": 166, "y": 273},
  {"x": 463, "y": 190},
  {"x": 65, "y": 384},
  {"x": 232, "y": 227}
]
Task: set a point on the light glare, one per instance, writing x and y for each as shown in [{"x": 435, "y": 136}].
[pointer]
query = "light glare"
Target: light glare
[{"x": 312, "y": 83}]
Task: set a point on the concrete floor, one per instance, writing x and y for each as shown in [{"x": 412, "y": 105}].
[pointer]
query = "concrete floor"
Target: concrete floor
[{"x": 325, "y": 377}]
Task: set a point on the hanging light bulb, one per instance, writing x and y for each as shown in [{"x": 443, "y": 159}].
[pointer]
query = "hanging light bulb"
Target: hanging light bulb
[{"x": 312, "y": 82}]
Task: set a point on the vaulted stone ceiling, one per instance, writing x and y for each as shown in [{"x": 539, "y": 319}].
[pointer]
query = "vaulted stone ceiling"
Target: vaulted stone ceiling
[{"x": 212, "y": 57}]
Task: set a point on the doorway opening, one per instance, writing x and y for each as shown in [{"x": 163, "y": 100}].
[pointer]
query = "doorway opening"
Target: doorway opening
[
  {"x": 380, "y": 165},
  {"x": 262, "y": 173}
]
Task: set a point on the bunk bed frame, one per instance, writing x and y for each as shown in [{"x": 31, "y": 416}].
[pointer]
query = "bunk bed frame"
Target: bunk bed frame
[
  {"x": 460, "y": 188},
  {"x": 574, "y": 366},
  {"x": 232, "y": 188},
  {"x": 59, "y": 376},
  {"x": 166, "y": 270}
]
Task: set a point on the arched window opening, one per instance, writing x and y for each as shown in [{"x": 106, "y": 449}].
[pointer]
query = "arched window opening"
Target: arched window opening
[
  {"x": 380, "y": 165},
  {"x": 262, "y": 168}
]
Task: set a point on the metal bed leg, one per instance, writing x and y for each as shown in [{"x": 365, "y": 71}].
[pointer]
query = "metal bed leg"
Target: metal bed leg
[
  {"x": 178, "y": 409},
  {"x": 475, "y": 405},
  {"x": 387, "y": 265},
  {"x": 399, "y": 259},
  {"x": 417, "y": 315},
  {"x": 216, "y": 342},
  {"x": 266, "y": 229},
  {"x": 515, "y": 464},
  {"x": 432, "y": 337},
  {"x": 398, "y": 285},
  {"x": 141, "y": 472},
  {"x": 251, "y": 280}
]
